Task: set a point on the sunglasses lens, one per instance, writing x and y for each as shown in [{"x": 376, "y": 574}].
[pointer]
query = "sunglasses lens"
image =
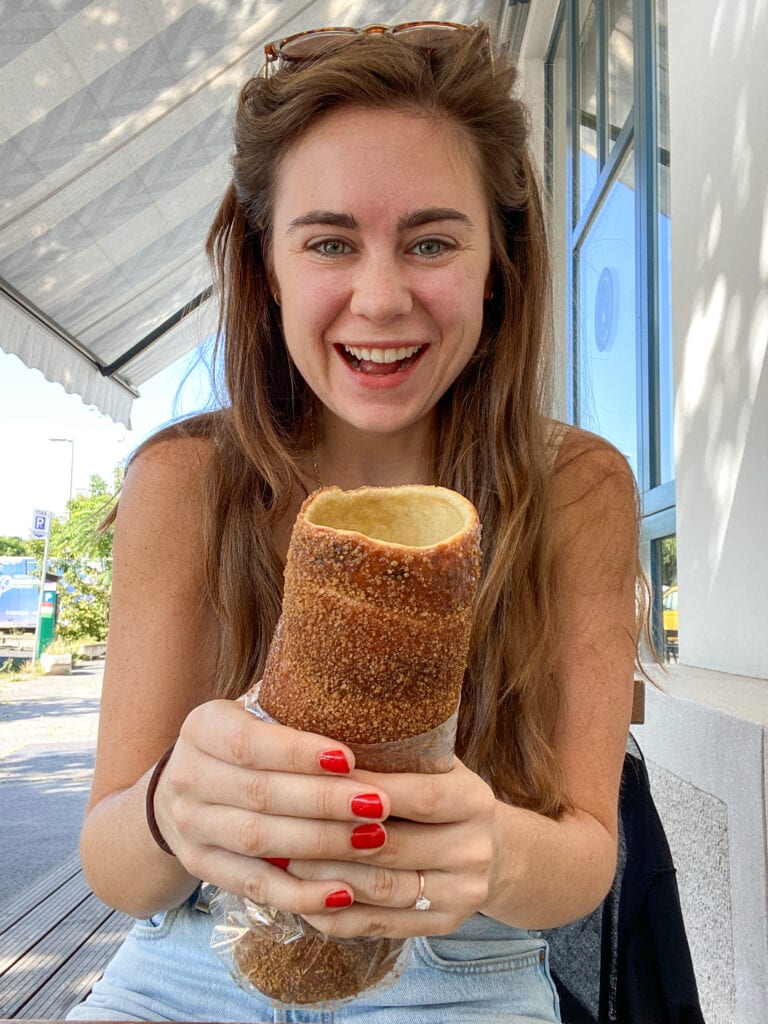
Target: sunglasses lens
[
  {"x": 429, "y": 35},
  {"x": 314, "y": 44}
]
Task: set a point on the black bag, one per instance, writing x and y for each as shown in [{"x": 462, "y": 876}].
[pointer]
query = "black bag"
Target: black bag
[{"x": 629, "y": 962}]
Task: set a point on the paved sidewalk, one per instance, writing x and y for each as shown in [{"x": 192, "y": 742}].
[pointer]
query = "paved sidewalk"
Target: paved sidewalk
[{"x": 47, "y": 745}]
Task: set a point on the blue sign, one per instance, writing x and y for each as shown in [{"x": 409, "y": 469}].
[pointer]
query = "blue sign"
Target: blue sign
[
  {"x": 18, "y": 601},
  {"x": 41, "y": 522}
]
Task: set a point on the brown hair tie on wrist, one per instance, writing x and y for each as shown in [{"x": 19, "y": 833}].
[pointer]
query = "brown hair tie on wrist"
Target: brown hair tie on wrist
[{"x": 154, "y": 778}]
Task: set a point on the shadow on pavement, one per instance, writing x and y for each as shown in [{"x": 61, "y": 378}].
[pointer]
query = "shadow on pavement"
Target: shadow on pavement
[
  {"x": 19, "y": 710},
  {"x": 43, "y": 794}
]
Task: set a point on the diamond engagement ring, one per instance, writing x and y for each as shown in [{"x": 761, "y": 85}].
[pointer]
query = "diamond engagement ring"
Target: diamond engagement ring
[{"x": 422, "y": 902}]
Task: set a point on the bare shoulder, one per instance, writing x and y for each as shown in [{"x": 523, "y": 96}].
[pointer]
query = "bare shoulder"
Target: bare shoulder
[
  {"x": 167, "y": 470},
  {"x": 590, "y": 471},
  {"x": 162, "y": 498},
  {"x": 159, "y": 544},
  {"x": 595, "y": 510}
]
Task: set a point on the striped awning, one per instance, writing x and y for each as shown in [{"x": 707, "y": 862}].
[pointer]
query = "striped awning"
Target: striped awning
[{"x": 114, "y": 146}]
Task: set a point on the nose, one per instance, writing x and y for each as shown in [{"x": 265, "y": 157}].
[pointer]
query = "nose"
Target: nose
[{"x": 381, "y": 290}]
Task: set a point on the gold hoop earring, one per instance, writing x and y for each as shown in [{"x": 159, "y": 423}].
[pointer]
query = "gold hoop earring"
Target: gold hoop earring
[{"x": 276, "y": 297}]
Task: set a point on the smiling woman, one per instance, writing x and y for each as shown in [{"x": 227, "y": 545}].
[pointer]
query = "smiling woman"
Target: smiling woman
[
  {"x": 376, "y": 261},
  {"x": 382, "y": 270}
]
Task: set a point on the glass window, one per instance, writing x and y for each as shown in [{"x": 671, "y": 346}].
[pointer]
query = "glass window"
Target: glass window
[
  {"x": 664, "y": 583},
  {"x": 614, "y": 278},
  {"x": 620, "y": 66},
  {"x": 586, "y": 173},
  {"x": 606, "y": 340}
]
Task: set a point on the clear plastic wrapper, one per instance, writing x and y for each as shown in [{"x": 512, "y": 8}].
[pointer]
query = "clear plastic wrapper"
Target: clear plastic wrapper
[
  {"x": 279, "y": 955},
  {"x": 283, "y": 958}
]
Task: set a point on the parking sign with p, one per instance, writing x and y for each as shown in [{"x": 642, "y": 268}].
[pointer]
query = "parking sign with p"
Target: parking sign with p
[{"x": 41, "y": 521}]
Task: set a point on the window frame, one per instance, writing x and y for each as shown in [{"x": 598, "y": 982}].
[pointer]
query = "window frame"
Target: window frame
[{"x": 640, "y": 130}]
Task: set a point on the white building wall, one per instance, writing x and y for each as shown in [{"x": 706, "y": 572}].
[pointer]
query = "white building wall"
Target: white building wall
[
  {"x": 718, "y": 79},
  {"x": 709, "y": 767}
]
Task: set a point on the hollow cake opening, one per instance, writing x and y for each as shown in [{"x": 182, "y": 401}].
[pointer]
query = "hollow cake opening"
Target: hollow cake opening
[{"x": 411, "y": 516}]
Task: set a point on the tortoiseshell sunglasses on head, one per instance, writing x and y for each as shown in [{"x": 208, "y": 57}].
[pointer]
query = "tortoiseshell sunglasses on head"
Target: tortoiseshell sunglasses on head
[{"x": 307, "y": 46}]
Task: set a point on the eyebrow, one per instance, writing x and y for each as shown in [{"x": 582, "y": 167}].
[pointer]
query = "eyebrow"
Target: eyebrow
[
  {"x": 409, "y": 220},
  {"x": 329, "y": 217},
  {"x": 430, "y": 215}
]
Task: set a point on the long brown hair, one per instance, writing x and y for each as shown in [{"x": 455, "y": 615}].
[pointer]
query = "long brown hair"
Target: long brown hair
[{"x": 491, "y": 442}]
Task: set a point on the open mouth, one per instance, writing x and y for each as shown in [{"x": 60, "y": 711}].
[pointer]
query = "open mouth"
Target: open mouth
[{"x": 380, "y": 362}]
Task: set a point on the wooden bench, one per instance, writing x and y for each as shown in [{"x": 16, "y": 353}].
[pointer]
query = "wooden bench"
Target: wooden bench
[{"x": 56, "y": 938}]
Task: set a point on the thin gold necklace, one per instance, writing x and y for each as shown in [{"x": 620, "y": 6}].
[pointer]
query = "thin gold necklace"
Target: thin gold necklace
[{"x": 314, "y": 446}]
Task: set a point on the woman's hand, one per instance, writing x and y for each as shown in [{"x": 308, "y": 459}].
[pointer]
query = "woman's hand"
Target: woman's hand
[
  {"x": 238, "y": 791},
  {"x": 449, "y": 835},
  {"x": 280, "y": 816}
]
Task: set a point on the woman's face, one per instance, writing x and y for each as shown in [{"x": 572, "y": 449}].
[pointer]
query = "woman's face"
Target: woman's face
[{"x": 381, "y": 255}]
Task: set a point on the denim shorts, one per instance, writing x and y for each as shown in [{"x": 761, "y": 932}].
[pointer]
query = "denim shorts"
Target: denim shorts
[{"x": 485, "y": 971}]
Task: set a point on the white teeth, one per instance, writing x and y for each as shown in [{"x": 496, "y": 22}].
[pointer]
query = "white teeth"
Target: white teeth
[{"x": 382, "y": 355}]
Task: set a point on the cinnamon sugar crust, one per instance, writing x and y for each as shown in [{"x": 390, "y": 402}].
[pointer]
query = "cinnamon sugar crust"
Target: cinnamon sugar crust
[{"x": 373, "y": 640}]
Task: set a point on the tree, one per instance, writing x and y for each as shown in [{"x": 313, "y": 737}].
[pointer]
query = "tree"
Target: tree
[
  {"x": 79, "y": 537},
  {"x": 13, "y": 546},
  {"x": 81, "y": 552}
]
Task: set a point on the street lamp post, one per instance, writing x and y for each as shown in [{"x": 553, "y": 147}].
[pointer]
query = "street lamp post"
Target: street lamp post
[{"x": 69, "y": 441}]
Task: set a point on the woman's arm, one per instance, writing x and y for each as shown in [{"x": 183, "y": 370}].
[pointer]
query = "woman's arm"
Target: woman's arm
[
  {"x": 564, "y": 869},
  {"x": 159, "y": 666}
]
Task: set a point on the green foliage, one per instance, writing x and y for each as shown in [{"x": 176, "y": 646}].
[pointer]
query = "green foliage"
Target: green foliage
[
  {"x": 83, "y": 611},
  {"x": 13, "y": 546},
  {"x": 35, "y": 548},
  {"x": 79, "y": 537},
  {"x": 81, "y": 551},
  {"x": 16, "y": 547},
  {"x": 16, "y": 670},
  {"x": 61, "y": 646},
  {"x": 669, "y": 561}
]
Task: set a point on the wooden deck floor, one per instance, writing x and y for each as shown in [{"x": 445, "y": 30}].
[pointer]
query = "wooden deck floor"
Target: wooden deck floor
[{"x": 56, "y": 938}]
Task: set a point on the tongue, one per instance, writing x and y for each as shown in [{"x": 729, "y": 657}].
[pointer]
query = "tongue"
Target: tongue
[{"x": 378, "y": 369}]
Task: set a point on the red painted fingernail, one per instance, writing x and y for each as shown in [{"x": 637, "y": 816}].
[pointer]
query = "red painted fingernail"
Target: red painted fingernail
[
  {"x": 368, "y": 837},
  {"x": 279, "y": 862},
  {"x": 335, "y": 761},
  {"x": 340, "y": 898},
  {"x": 367, "y": 805}
]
